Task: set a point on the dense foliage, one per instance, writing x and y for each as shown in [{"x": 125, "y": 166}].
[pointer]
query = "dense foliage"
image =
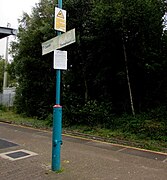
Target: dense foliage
[
  {"x": 119, "y": 58},
  {"x": 35, "y": 94}
]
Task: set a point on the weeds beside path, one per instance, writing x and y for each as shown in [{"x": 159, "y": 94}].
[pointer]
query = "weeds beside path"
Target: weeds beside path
[
  {"x": 97, "y": 133},
  {"x": 13, "y": 118}
]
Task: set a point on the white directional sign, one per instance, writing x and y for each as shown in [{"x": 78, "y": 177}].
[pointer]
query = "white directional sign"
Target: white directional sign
[
  {"x": 58, "y": 42},
  {"x": 60, "y": 20},
  {"x": 60, "y": 60}
]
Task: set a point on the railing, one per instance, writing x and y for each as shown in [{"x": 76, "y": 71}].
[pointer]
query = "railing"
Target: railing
[{"x": 7, "y": 99}]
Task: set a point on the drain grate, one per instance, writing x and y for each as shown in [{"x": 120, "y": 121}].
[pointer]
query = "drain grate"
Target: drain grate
[
  {"x": 18, "y": 154},
  {"x": 6, "y": 144}
]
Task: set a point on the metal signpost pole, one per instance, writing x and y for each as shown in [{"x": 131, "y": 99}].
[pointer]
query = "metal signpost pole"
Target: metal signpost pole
[
  {"x": 60, "y": 62},
  {"x": 57, "y": 120}
]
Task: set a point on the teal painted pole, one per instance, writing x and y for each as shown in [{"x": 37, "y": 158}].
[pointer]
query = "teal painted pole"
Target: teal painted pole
[
  {"x": 57, "y": 139},
  {"x": 60, "y": 4},
  {"x": 58, "y": 80},
  {"x": 57, "y": 121}
]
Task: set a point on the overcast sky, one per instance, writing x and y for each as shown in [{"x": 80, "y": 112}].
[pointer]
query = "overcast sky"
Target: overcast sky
[{"x": 10, "y": 12}]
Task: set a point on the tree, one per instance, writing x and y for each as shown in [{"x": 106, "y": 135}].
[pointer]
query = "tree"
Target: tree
[
  {"x": 79, "y": 16},
  {"x": 106, "y": 32},
  {"x": 36, "y": 77},
  {"x": 139, "y": 23}
]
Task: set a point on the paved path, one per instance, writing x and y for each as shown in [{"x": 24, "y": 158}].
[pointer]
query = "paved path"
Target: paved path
[{"x": 81, "y": 159}]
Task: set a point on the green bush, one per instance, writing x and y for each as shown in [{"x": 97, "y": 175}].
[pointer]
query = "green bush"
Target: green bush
[
  {"x": 91, "y": 114},
  {"x": 154, "y": 129},
  {"x": 159, "y": 114},
  {"x": 94, "y": 114},
  {"x": 49, "y": 120},
  {"x": 3, "y": 108},
  {"x": 142, "y": 126}
]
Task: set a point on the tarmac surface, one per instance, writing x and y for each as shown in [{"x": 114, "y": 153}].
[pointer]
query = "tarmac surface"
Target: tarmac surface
[{"x": 25, "y": 154}]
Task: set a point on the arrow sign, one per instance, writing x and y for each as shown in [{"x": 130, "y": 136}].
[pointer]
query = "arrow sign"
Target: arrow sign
[{"x": 58, "y": 42}]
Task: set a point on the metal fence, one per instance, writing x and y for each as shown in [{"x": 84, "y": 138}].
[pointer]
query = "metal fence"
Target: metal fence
[{"x": 7, "y": 99}]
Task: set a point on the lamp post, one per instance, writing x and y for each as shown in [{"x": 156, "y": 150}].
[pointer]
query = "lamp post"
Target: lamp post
[{"x": 6, "y": 62}]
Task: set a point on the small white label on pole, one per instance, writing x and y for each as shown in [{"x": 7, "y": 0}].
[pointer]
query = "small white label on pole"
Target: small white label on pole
[
  {"x": 60, "y": 60},
  {"x": 60, "y": 20}
]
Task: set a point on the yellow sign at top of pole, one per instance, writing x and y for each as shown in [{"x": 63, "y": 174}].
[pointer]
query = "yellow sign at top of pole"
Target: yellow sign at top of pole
[{"x": 60, "y": 20}]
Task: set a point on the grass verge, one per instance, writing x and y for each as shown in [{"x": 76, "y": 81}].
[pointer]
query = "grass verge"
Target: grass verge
[
  {"x": 108, "y": 135},
  {"x": 11, "y": 117},
  {"x": 118, "y": 137}
]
